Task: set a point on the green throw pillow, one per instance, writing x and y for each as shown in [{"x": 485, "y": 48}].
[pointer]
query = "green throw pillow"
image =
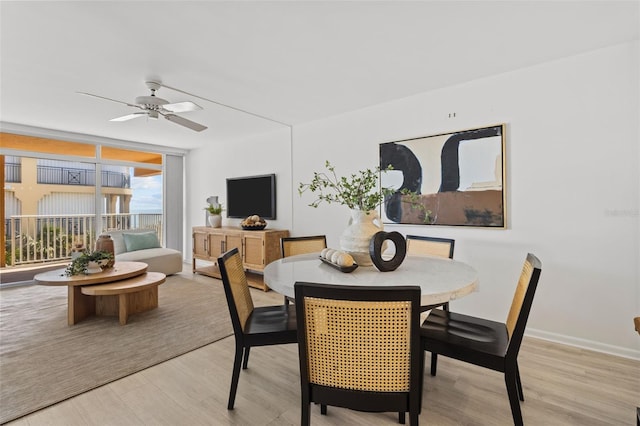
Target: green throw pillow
[{"x": 141, "y": 241}]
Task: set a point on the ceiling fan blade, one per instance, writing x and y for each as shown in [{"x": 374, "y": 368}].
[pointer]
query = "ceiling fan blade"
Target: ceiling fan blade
[
  {"x": 182, "y": 107},
  {"x": 129, "y": 116},
  {"x": 109, "y": 99},
  {"x": 184, "y": 122}
]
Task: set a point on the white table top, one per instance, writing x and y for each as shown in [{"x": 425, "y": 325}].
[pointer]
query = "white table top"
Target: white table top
[{"x": 440, "y": 280}]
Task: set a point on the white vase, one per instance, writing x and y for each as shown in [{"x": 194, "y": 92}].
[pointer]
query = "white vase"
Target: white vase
[
  {"x": 356, "y": 237},
  {"x": 215, "y": 220}
]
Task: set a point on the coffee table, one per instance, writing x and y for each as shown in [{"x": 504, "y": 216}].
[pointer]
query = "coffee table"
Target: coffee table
[{"x": 124, "y": 289}]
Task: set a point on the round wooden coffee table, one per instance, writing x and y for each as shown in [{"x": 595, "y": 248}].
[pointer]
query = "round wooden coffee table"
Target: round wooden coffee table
[{"x": 124, "y": 289}]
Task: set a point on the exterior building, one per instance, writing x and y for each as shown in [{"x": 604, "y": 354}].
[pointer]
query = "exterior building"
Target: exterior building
[{"x": 53, "y": 187}]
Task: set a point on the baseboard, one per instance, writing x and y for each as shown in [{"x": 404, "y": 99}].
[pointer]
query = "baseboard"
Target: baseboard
[{"x": 585, "y": 344}]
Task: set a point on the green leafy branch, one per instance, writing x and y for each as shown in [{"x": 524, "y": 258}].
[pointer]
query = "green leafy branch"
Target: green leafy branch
[{"x": 357, "y": 191}]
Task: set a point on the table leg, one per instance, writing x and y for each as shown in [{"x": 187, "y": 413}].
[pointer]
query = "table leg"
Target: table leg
[
  {"x": 123, "y": 308},
  {"x": 79, "y": 306}
]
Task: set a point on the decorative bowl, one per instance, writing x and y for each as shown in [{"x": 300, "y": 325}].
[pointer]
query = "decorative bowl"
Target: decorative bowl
[
  {"x": 257, "y": 227},
  {"x": 345, "y": 269}
]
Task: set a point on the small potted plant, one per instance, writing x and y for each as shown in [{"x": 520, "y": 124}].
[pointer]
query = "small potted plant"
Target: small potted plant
[
  {"x": 214, "y": 218},
  {"x": 89, "y": 263}
]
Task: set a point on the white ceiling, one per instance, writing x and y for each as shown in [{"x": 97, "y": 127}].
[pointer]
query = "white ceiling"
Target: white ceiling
[{"x": 290, "y": 61}]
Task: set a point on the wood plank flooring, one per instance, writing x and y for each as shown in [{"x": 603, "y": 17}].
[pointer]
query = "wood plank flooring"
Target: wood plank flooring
[{"x": 562, "y": 386}]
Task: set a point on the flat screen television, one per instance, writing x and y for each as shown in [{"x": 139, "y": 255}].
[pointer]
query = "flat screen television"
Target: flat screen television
[{"x": 251, "y": 195}]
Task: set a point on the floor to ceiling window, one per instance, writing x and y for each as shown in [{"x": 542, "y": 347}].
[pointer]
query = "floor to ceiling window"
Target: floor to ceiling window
[{"x": 58, "y": 194}]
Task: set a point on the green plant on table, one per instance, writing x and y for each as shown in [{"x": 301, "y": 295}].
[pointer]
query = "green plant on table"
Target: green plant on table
[
  {"x": 214, "y": 209},
  {"x": 80, "y": 263}
]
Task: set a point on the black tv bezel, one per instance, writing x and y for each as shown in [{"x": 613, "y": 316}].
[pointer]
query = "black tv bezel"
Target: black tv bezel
[{"x": 272, "y": 177}]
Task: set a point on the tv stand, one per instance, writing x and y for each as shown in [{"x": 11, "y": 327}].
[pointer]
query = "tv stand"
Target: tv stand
[{"x": 257, "y": 249}]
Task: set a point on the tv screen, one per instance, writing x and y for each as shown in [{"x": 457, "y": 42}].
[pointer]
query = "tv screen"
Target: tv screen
[{"x": 251, "y": 195}]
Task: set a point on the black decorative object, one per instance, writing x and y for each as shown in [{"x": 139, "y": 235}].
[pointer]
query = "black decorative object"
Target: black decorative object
[{"x": 375, "y": 250}]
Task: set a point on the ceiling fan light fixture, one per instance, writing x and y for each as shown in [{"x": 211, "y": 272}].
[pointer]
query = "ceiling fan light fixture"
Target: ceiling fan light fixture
[
  {"x": 151, "y": 101},
  {"x": 153, "y": 115}
]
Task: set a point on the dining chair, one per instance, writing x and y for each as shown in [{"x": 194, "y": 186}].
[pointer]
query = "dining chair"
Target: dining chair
[
  {"x": 252, "y": 326},
  {"x": 419, "y": 244},
  {"x": 432, "y": 246},
  {"x": 490, "y": 344},
  {"x": 291, "y": 246},
  {"x": 300, "y": 245},
  {"x": 359, "y": 348}
]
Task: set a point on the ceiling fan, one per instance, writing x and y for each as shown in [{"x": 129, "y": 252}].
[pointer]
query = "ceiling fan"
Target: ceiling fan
[{"x": 153, "y": 107}]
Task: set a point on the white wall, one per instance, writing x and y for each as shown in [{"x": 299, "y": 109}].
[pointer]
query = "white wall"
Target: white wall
[
  {"x": 572, "y": 186},
  {"x": 207, "y": 169}
]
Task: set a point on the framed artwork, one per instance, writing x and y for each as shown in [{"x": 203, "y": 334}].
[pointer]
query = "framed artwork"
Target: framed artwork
[{"x": 448, "y": 179}]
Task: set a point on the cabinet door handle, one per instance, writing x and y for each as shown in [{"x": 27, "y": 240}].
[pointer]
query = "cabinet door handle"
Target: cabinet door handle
[{"x": 222, "y": 248}]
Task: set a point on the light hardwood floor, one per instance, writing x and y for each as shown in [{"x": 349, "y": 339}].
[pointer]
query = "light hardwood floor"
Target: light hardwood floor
[{"x": 562, "y": 386}]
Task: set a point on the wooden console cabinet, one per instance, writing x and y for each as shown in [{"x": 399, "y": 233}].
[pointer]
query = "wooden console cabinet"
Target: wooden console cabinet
[{"x": 257, "y": 248}]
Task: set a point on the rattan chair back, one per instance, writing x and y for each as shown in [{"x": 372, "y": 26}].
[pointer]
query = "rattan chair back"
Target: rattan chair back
[
  {"x": 522, "y": 302},
  {"x": 292, "y": 246},
  {"x": 521, "y": 290},
  {"x": 236, "y": 289},
  {"x": 358, "y": 345},
  {"x": 432, "y": 246}
]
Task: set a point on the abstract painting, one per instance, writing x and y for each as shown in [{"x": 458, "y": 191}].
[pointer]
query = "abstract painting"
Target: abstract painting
[{"x": 454, "y": 179}]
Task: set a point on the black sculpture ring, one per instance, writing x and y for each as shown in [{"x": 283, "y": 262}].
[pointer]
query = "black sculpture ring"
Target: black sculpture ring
[{"x": 375, "y": 250}]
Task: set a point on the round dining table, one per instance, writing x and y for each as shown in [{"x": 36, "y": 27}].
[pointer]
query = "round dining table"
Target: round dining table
[{"x": 440, "y": 279}]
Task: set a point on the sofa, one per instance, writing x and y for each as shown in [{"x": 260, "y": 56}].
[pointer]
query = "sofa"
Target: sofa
[{"x": 142, "y": 245}]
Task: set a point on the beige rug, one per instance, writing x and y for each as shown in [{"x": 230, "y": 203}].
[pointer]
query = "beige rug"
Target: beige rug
[{"x": 44, "y": 361}]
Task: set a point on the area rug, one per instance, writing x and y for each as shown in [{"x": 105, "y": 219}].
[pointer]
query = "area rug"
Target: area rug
[{"x": 44, "y": 361}]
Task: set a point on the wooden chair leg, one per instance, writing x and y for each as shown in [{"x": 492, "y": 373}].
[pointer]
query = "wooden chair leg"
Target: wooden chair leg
[
  {"x": 401, "y": 417},
  {"x": 323, "y": 409},
  {"x": 519, "y": 383},
  {"x": 512, "y": 391},
  {"x": 434, "y": 363},
  {"x": 246, "y": 358},
  {"x": 235, "y": 377}
]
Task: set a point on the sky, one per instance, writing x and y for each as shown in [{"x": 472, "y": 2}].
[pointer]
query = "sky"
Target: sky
[{"x": 147, "y": 194}]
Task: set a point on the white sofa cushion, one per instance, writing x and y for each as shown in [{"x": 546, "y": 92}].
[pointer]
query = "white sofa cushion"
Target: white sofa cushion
[{"x": 161, "y": 259}]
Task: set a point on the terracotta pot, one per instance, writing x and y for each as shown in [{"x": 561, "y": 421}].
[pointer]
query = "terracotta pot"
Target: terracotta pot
[{"x": 105, "y": 243}]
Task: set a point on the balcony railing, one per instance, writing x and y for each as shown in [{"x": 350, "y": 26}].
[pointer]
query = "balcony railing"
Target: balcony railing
[
  {"x": 69, "y": 176},
  {"x": 47, "y": 239},
  {"x": 84, "y": 177}
]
